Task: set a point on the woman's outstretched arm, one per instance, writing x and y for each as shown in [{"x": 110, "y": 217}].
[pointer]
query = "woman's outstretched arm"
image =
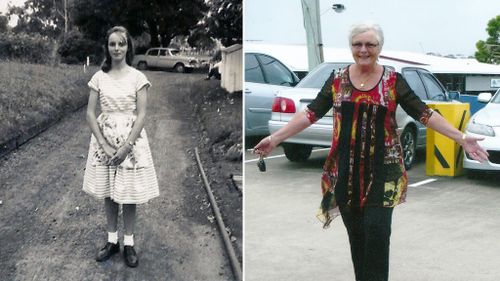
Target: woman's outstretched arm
[
  {"x": 298, "y": 123},
  {"x": 468, "y": 143}
]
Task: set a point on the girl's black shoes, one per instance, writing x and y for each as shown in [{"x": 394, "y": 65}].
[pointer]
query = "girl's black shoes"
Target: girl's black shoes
[
  {"x": 130, "y": 256},
  {"x": 110, "y": 249},
  {"x": 107, "y": 251}
]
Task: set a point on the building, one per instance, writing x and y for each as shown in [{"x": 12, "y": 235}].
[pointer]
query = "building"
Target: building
[{"x": 467, "y": 76}]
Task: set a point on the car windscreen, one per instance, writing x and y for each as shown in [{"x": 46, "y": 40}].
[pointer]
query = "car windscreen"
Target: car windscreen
[
  {"x": 317, "y": 77},
  {"x": 496, "y": 97}
]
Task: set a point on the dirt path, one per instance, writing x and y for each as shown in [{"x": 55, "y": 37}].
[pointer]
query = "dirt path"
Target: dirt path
[{"x": 51, "y": 230}]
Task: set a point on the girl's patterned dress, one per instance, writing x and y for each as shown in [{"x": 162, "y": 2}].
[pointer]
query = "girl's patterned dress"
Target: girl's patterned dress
[{"x": 134, "y": 180}]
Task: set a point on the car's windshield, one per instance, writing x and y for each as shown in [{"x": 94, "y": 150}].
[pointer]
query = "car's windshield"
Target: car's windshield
[
  {"x": 317, "y": 77},
  {"x": 174, "y": 52},
  {"x": 496, "y": 97}
]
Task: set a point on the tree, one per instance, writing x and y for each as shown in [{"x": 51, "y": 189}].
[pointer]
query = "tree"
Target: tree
[
  {"x": 44, "y": 17},
  {"x": 224, "y": 21},
  {"x": 162, "y": 19},
  {"x": 489, "y": 51},
  {"x": 3, "y": 23}
]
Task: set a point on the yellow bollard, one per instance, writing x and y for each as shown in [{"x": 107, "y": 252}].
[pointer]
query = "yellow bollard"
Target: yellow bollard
[{"x": 444, "y": 156}]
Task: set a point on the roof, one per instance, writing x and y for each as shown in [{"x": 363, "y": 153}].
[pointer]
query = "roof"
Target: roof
[{"x": 295, "y": 57}]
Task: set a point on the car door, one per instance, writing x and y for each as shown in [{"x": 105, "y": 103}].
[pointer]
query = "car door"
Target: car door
[
  {"x": 264, "y": 77},
  {"x": 163, "y": 60},
  {"x": 415, "y": 82},
  {"x": 152, "y": 57}
]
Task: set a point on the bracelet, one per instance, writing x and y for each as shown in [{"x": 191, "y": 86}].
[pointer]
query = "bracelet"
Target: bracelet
[{"x": 463, "y": 136}]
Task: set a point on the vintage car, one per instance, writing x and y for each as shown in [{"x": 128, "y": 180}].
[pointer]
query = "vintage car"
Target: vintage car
[{"x": 165, "y": 58}]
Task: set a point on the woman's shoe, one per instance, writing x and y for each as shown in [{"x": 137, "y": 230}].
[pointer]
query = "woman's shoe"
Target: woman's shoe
[
  {"x": 107, "y": 251},
  {"x": 130, "y": 255}
]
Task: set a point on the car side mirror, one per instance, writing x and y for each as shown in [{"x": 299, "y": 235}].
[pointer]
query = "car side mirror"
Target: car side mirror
[
  {"x": 484, "y": 97},
  {"x": 454, "y": 95}
]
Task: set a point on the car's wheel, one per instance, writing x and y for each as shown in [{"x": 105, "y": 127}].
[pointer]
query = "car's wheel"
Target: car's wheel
[
  {"x": 297, "y": 152},
  {"x": 409, "y": 144},
  {"x": 142, "y": 65},
  {"x": 179, "y": 68}
]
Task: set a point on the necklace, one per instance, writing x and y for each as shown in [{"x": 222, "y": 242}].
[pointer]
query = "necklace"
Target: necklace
[{"x": 363, "y": 82}]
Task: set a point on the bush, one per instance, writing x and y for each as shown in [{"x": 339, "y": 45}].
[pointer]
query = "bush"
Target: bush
[
  {"x": 75, "y": 48},
  {"x": 22, "y": 47}
]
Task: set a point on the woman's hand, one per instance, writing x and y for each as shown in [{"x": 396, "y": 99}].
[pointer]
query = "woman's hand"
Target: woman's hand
[
  {"x": 121, "y": 154},
  {"x": 265, "y": 146},
  {"x": 470, "y": 145},
  {"x": 108, "y": 150}
]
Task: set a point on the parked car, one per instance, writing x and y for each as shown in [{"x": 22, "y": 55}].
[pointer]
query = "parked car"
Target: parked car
[
  {"x": 165, "y": 58},
  {"x": 264, "y": 76},
  {"x": 485, "y": 123},
  {"x": 298, "y": 147}
]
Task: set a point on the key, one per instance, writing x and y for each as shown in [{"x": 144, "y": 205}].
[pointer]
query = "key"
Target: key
[{"x": 261, "y": 164}]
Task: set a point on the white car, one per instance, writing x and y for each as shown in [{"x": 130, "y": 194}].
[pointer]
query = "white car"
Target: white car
[
  {"x": 165, "y": 58},
  {"x": 486, "y": 124},
  {"x": 288, "y": 102}
]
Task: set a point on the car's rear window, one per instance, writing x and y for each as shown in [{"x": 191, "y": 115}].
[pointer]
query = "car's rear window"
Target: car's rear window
[{"x": 317, "y": 77}]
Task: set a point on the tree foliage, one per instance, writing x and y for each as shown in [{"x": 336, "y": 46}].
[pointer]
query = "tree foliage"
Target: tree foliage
[
  {"x": 223, "y": 22},
  {"x": 75, "y": 47},
  {"x": 151, "y": 22},
  {"x": 162, "y": 19},
  {"x": 43, "y": 17},
  {"x": 489, "y": 51},
  {"x": 3, "y": 23},
  {"x": 25, "y": 48}
]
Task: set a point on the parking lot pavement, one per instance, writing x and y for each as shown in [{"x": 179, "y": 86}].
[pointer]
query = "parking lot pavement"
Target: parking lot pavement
[{"x": 448, "y": 230}]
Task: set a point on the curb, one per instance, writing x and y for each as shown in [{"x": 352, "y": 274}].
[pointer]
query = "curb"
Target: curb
[{"x": 33, "y": 131}]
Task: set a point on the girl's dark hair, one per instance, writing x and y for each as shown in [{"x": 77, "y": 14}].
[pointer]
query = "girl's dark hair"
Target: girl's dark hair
[{"x": 106, "y": 65}]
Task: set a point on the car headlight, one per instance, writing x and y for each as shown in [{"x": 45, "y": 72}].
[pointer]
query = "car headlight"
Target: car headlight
[{"x": 480, "y": 129}]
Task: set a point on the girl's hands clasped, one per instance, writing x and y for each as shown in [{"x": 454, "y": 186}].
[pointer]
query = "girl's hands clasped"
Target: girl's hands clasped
[
  {"x": 108, "y": 150},
  {"x": 120, "y": 154}
]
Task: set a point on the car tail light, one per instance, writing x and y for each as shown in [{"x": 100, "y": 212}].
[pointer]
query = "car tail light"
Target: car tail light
[{"x": 283, "y": 105}]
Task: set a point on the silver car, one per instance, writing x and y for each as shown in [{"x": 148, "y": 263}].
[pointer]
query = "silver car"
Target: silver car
[
  {"x": 264, "y": 77},
  {"x": 412, "y": 133},
  {"x": 486, "y": 123}
]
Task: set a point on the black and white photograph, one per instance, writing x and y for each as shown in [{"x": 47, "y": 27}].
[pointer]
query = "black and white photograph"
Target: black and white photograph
[{"x": 121, "y": 140}]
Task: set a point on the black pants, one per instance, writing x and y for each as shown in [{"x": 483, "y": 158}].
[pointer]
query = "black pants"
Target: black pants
[
  {"x": 369, "y": 231},
  {"x": 214, "y": 71}
]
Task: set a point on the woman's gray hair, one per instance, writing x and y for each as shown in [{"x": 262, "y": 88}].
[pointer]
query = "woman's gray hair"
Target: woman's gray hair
[{"x": 364, "y": 27}]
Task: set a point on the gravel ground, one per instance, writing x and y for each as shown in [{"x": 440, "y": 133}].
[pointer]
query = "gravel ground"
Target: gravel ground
[{"x": 53, "y": 229}]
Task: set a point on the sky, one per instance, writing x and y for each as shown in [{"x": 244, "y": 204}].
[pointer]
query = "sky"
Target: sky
[
  {"x": 5, "y": 3},
  {"x": 422, "y": 26}
]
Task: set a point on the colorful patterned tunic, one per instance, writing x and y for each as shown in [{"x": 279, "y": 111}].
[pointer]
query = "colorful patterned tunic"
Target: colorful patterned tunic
[{"x": 365, "y": 164}]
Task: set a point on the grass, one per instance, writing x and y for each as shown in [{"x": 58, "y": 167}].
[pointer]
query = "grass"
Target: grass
[{"x": 34, "y": 96}]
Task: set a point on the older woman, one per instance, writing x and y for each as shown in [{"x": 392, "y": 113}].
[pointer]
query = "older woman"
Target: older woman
[{"x": 364, "y": 176}]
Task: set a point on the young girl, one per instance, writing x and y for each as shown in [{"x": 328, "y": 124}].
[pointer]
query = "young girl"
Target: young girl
[{"x": 119, "y": 165}]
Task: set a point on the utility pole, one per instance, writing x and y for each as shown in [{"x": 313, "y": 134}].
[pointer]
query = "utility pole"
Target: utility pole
[{"x": 312, "y": 24}]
